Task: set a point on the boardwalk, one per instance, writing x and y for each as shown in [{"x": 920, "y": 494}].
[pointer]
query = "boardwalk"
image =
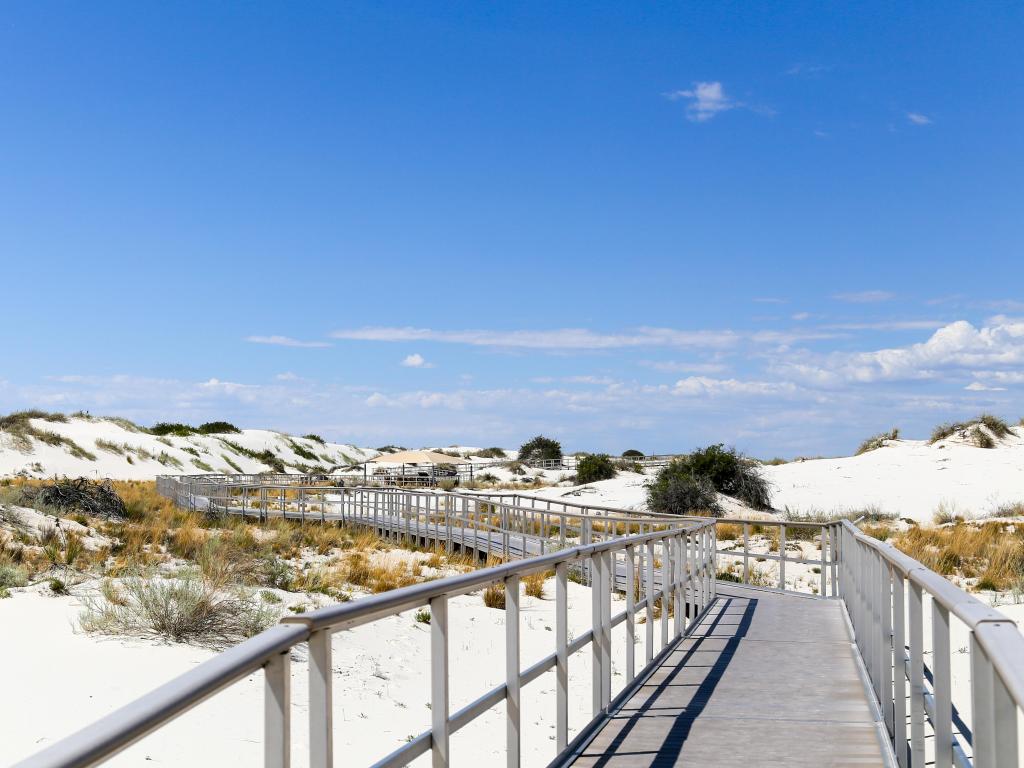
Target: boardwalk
[{"x": 764, "y": 680}]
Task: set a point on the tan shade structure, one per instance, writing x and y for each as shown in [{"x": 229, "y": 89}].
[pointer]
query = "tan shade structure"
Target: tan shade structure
[{"x": 416, "y": 457}]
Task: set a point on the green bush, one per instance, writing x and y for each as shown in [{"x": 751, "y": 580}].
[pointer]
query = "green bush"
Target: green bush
[
  {"x": 540, "y": 448},
  {"x": 677, "y": 491},
  {"x": 315, "y": 438},
  {"x": 994, "y": 424},
  {"x": 688, "y": 478},
  {"x": 218, "y": 428},
  {"x": 594, "y": 467},
  {"x": 171, "y": 428},
  {"x": 632, "y": 453}
]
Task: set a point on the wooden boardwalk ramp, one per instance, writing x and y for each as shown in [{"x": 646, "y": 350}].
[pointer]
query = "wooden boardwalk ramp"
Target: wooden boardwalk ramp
[{"x": 766, "y": 679}]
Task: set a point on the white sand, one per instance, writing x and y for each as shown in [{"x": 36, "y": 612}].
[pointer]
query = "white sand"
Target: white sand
[
  {"x": 65, "y": 679},
  {"x": 142, "y": 456}
]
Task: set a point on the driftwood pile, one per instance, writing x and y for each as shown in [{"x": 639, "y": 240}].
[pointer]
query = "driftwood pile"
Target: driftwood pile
[{"x": 91, "y": 497}]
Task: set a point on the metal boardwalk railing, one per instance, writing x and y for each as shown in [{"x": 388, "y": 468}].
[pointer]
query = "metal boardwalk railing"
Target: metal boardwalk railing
[{"x": 665, "y": 569}]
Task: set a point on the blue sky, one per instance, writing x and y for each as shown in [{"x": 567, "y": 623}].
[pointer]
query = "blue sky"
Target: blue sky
[{"x": 781, "y": 226}]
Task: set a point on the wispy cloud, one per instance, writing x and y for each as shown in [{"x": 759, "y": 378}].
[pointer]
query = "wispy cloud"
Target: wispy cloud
[
  {"x": 285, "y": 341},
  {"x": 556, "y": 339},
  {"x": 889, "y": 325},
  {"x": 806, "y": 70},
  {"x": 416, "y": 360},
  {"x": 770, "y": 300},
  {"x": 916, "y": 118},
  {"x": 864, "y": 297},
  {"x": 705, "y": 101},
  {"x": 672, "y": 366}
]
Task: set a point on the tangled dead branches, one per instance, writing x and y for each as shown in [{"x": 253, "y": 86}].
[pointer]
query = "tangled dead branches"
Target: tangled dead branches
[{"x": 93, "y": 498}]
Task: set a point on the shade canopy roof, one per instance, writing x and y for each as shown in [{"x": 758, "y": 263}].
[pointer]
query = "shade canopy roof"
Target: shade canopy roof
[{"x": 416, "y": 457}]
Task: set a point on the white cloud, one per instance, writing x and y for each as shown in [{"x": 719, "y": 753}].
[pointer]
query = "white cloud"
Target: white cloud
[
  {"x": 918, "y": 119},
  {"x": 416, "y": 361},
  {"x": 286, "y": 376},
  {"x": 864, "y": 297},
  {"x": 706, "y": 101},
  {"x": 694, "y": 386},
  {"x": 285, "y": 341},
  {"x": 563, "y": 338},
  {"x": 800, "y": 316},
  {"x": 671, "y": 366},
  {"x": 977, "y": 386},
  {"x": 889, "y": 325},
  {"x": 956, "y": 347}
]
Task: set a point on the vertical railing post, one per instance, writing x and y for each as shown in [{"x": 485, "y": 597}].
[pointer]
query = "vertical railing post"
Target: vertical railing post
[
  {"x": 649, "y": 625},
  {"x": 666, "y": 581},
  {"x": 983, "y": 716},
  {"x": 607, "y": 575},
  {"x": 782, "y": 556},
  {"x": 439, "y": 738},
  {"x": 887, "y": 653},
  {"x": 746, "y": 553},
  {"x": 630, "y": 613},
  {"x": 899, "y": 642},
  {"x": 561, "y": 657},
  {"x": 916, "y": 675},
  {"x": 824, "y": 560},
  {"x": 597, "y": 634},
  {"x": 321, "y": 714},
  {"x": 277, "y": 707},
  {"x": 941, "y": 686},
  {"x": 512, "y": 697}
]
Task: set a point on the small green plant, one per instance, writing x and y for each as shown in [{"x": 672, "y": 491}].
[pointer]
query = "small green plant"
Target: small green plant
[
  {"x": 594, "y": 467},
  {"x": 58, "y": 587},
  {"x": 315, "y": 438},
  {"x": 422, "y": 616},
  {"x": 490, "y": 453},
  {"x": 171, "y": 428}
]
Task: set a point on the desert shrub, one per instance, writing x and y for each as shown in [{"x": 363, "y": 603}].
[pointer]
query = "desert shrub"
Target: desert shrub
[
  {"x": 315, "y": 438},
  {"x": 227, "y": 460},
  {"x": 878, "y": 441},
  {"x": 981, "y": 438},
  {"x": 304, "y": 453},
  {"x": 171, "y": 428},
  {"x": 677, "y": 491},
  {"x": 218, "y": 428},
  {"x": 725, "y": 470},
  {"x": 12, "y": 575},
  {"x": 494, "y": 596},
  {"x": 202, "y": 466},
  {"x": 517, "y": 468},
  {"x": 422, "y": 616},
  {"x": 540, "y": 448},
  {"x": 490, "y": 453},
  {"x": 997, "y": 430},
  {"x": 632, "y": 453},
  {"x": 594, "y": 467},
  {"x": 185, "y": 609},
  {"x": 109, "y": 447}
]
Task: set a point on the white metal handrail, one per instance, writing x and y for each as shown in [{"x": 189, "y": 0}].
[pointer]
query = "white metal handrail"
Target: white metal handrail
[
  {"x": 686, "y": 555},
  {"x": 884, "y": 592}
]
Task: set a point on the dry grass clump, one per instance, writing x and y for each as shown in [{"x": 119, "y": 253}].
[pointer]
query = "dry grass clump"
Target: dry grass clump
[
  {"x": 494, "y": 596},
  {"x": 982, "y": 431},
  {"x": 184, "y": 609},
  {"x": 729, "y": 531},
  {"x": 878, "y": 441},
  {"x": 991, "y": 552},
  {"x": 534, "y": 583}
]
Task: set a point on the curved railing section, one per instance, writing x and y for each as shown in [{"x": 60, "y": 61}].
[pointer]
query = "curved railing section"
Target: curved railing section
[
  {"x": 682, "y": 555},
  {"x": 899, "y": 611}
]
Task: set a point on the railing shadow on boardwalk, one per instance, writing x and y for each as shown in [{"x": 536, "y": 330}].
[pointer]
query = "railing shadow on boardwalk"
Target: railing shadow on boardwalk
[{"x": 671, "y": 747}]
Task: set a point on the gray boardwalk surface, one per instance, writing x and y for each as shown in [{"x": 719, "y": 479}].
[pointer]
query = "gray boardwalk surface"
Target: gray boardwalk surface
[{"x": 764, "y": 680}]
